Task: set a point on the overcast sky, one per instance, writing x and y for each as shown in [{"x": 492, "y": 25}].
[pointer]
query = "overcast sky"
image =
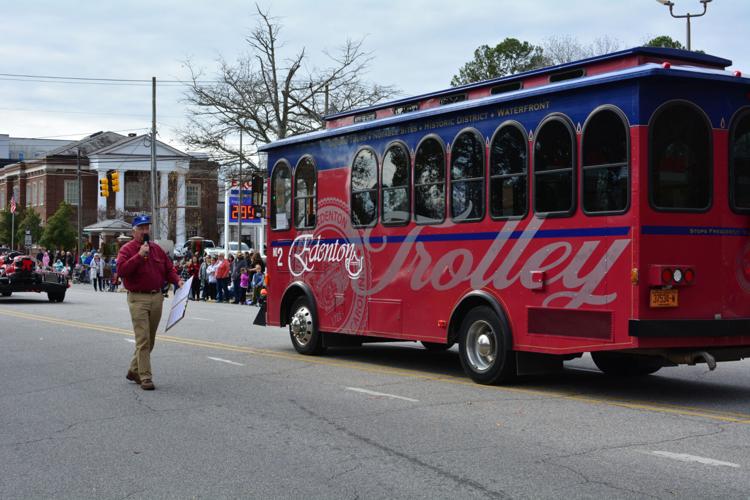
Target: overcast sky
[{"x": 418, "y": 46}]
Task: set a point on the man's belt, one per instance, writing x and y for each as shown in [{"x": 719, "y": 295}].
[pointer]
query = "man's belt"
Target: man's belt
[{"x": 151, "y": 292}]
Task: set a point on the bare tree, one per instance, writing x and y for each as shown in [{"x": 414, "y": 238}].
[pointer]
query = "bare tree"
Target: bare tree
[
  {"x": 565, "y": 48},
  {"x": 269, "y": 97}
]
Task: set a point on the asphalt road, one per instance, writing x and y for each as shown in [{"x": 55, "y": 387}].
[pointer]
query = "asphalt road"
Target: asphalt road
[{"x": 237, "y": 413}]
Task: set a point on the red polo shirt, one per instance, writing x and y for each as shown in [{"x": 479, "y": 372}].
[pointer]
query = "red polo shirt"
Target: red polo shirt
[
  {"x": 144, "y": 275},
  {"x": 223, "y": 270}
]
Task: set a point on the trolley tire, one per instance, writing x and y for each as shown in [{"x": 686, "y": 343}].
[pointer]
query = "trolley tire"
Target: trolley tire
[
  {"x": 7, "y": 294},
  {"x": 436, "y": 346},
  {"x": 626, "y": 365},
  {"x": 56, "y": 296},
  {"x": 485, "y": 347},
  {"x": 303, "y": 333}
]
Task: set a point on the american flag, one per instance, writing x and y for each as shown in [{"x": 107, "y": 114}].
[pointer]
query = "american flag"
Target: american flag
[{"x": 12, "y": 204}]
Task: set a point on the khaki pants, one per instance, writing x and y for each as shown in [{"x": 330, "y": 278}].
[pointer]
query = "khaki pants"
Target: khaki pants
[{"x": 145, "y": 313}]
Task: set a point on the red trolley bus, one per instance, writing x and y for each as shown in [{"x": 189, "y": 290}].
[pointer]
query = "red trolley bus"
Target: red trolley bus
[{"x": 599, "y": 206}]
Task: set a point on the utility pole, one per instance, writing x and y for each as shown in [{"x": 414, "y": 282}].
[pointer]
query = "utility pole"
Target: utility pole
[
  {"x": 154, "y": 209},
  {"x": 80, "y": 201},
  {"x": 239, "y": 215}
]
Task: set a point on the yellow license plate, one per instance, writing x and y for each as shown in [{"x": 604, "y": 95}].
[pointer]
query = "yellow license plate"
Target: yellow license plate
[{"x": 664, "y": 298}]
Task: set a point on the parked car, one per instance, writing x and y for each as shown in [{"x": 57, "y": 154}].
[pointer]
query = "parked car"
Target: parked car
[
  {"x": 233, "y": 249},
  {"x": 197, "y": 245}
]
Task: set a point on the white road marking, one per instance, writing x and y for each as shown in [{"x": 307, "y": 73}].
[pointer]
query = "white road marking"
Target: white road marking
[
  {"x": 200, "y": 319},
  {"x": 225, "y": 361},
  {"x": 382, "y": 394},
  {"x": 132, "y": 341},
  {"x": 684, "y": 457}
]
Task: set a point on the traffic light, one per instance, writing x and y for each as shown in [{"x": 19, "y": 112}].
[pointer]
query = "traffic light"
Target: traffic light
[
  {"x": 115, "y": 181},
  {"x": 257, "y": 189},
  {"x": 104, "y": 187}
]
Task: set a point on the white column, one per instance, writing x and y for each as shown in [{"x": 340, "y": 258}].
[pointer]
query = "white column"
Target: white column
[
  {"x": 180, "y": 218},
  {"x": 101, "y": 201},
  {"x": 164, "y": 202},
  {"x": 120, "y": 195}
]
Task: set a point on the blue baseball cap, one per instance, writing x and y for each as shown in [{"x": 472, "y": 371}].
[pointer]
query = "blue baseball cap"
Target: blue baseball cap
[{"x": 141, "y": 220}]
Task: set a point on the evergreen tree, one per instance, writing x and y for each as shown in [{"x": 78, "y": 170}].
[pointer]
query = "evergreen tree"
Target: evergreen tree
[
  {"x": 59, "y": 232},
  {"x": 664, "y": 41},
  {"x": 506, "y": 58},
  {"x": 30, "y": 220},
  {"x": 5, "y": 227}
]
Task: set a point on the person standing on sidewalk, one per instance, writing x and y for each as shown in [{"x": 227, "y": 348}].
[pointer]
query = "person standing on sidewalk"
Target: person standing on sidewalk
[
  {"x": 222, "y": 279},
  {"x": 144, "y": 267}
]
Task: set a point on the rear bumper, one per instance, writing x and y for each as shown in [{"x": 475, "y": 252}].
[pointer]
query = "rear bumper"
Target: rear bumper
[{"x": 689, "y": 328}]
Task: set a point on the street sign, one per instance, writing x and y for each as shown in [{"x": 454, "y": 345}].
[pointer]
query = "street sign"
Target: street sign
[{"x": 27, "y": 238}]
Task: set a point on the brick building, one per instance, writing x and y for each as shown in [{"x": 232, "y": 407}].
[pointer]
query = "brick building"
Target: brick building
[{"x": 186, "y": 185}]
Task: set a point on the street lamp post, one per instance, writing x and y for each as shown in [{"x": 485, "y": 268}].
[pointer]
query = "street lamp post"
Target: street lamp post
[{"x": 687, "y": 16}]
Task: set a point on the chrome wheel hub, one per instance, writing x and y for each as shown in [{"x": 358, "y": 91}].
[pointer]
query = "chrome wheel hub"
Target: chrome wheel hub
[
  {"x": 301, "y": 326},
  {"x": 481, "y": 346}
]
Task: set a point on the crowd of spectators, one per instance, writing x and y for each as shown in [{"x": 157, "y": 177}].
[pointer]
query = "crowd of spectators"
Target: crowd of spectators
[{"x": 239, "y": 280}]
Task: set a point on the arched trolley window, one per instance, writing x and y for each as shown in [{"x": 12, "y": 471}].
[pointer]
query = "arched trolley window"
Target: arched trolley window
[
  {"x": 554, "y": 158},
  {"x": 467, "y": 177},
  {"x": 508, "y": 172},
  {"x": 429, "y": 182},
  {"x": 281, "y": 196},
  {"x": 605, "y": 163},
  {"x": 305, "y": 194},
  {"x": 395, "y": 185},
  {"x": 739, "y": 163},
  {"x": 680, "y": 159},
  {"x": 365, "y": 188}
]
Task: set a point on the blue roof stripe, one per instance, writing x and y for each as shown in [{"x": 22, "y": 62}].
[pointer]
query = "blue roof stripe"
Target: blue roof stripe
[{"x": 481, "y": 236}]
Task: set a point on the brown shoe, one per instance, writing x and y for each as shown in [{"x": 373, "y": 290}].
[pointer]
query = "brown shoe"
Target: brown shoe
[
  {"x": 133, "y": 376},
  {"x": 147, "y": 385}
]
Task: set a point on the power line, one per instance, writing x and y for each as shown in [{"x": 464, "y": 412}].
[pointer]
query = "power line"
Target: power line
[{"x": 72, "y": 79}]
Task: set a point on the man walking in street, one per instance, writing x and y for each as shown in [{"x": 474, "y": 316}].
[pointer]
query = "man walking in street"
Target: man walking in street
[{"x": 144, "y": 268}]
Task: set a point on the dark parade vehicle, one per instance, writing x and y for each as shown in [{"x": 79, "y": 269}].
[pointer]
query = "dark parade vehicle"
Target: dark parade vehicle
[{"x": 19, "y": 273}]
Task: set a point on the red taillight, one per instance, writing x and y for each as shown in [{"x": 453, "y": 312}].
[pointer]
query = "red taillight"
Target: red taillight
[
  {"x": 689, "y": 276},
  {"x": 666, "y": 275}
]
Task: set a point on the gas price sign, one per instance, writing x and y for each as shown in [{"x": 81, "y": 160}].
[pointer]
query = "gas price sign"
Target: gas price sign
[{"x": 247, "y": 210}]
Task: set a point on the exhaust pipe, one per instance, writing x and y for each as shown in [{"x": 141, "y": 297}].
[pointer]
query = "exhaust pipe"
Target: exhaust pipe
[{"x": 708, "y": 358}]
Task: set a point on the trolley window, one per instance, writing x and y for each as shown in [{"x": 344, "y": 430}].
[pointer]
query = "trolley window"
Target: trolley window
[
  {"x": 281, "y": 203},
  {"x": 467, "y": 177},
  {"x": 395, "y": 185},
  {"x": 429, "y": 182},
  {"x": 508, "y": 172},
  {"x": 365, "y": 188},
  {"x": 605, "y": 163},
  {"x": 553, "y": 167},
  {"x": 305, "y": 205},
  {"x": 680, "y": 159},
  {"x": 739, "y": 152}
]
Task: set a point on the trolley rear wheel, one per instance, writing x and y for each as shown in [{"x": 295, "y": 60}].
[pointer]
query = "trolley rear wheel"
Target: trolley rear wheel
[
  {"x": 485, "y": 347},
  {"x": 626, "y": 365}
]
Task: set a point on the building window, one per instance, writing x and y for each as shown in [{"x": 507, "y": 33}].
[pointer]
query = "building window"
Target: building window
[
  {"x": 281, "y": 196},
  {"x": 40, "y": 193},
  {"x": 71, "y": 192},
  {"x": 605, "y": 173},
  {"x": 429, "y": 182},
  {"x": 29, "y": 200},
  {"x": 395, "y": 184},
  {"x": 33, "y": 194},
  {"x": 681, "y": 165},
  {"x": 467, "y": 177},
  {"x": 191, "y": 230},
  {"x": 553, "y": 167},
  {"x": 133, "y": 195},
  {"x": 365, "y": 188},
  {"x": 305, "y": 194},
  {"x": 17, "y": 193},
  {"x": 739, "y": 164},
  {"x": 508, "y": 172},
  {"x": 193, "y": 195},
  {"x": 3, "y": 201}
]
